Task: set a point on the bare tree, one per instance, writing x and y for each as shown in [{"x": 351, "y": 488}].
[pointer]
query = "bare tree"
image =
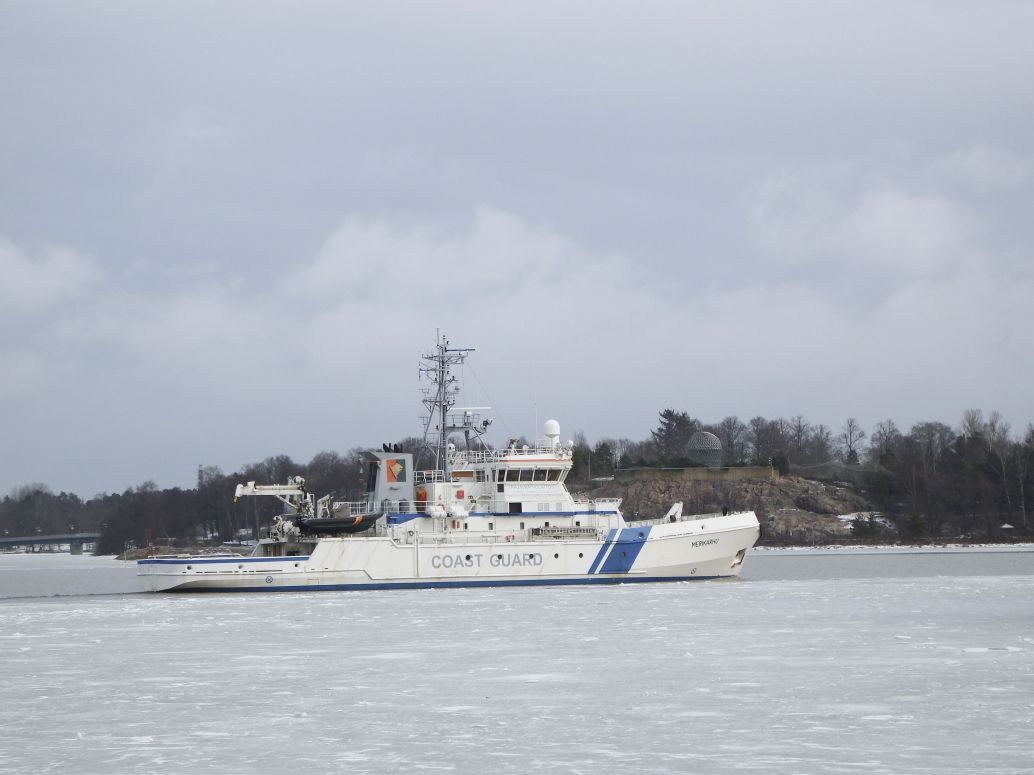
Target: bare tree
[
  {"x": 820, "y": 444},
  {"x": 1024, "y": 455},
  {"x": 637, "y": 452},
  {"x": 935, "y": 438},
  {"x": 850, "y": 440},
  {"x": 619, "y": 447},
  {"x": 996, "y": 438},
  {"x": 885, "y": 436},
  {"x": 733, "y": 434},
  {"x": 758, "y": 437},
  {"x": 799, "y": 431},
  {"x": 766, "y": 438},
  {"x": 931, "y": 441},
  {"x": 972, "y": 423}
]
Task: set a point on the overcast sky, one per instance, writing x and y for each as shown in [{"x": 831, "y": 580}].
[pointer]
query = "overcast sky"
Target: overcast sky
[{"x": 228, "y": 230}]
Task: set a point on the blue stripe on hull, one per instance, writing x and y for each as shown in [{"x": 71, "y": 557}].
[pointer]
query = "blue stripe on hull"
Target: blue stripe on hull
[
  {"x": 603, "y": 550},
  {"x": 454, "y": 584},
  {"x": 627, "y": 546}
]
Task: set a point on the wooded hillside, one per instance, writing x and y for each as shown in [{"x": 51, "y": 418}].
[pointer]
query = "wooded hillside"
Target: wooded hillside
[{"x": 931, "y": 482}]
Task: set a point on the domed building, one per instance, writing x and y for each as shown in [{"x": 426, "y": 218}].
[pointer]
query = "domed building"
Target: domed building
[{"x": 706, "y": 449}]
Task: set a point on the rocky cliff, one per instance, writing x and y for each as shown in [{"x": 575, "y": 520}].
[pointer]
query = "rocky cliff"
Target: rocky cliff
[{"x": 791, "y": 509}]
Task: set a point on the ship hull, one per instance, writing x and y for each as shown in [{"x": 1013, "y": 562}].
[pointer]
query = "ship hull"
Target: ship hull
[{"x": 682, "y": 551}]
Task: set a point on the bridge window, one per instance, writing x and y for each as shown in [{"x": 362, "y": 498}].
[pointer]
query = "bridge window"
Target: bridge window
[
  {"x": 531, "y": 475},
  {"x": 552, "y": 474}
]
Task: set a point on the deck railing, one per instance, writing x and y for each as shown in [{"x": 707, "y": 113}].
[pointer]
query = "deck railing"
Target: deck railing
[
  {"x": 407, "y": 506},
  {"x": 597, "y": 504},
  {"x": 429, "y": 477},
  {"x": 509, "y": 454},
  {"x": 360, "y": 508}
]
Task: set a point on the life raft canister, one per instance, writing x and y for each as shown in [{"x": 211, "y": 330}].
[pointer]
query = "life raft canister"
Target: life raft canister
[{"x": 459, "y": 495}]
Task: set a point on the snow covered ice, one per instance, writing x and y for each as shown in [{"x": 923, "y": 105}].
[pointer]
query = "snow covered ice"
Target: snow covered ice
[{"x": 777, "y": 673}]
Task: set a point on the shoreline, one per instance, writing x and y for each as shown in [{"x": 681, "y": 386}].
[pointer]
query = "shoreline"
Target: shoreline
[{"x": 932, "y": 548}]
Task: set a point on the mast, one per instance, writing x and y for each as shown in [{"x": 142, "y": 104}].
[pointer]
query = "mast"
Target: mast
[{"x": 440, "y": 398}]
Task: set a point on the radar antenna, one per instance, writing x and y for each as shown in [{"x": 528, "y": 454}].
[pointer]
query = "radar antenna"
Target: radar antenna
[{"x": 440, "y": 398}]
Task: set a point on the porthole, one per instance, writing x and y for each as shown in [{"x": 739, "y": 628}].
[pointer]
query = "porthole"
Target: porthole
[
  {"x": 467, "y": 558},
  {"x": 556, "y": 556},
  {"x": 190, "y": 567},
  {"x": 239, "y": 567},
  {"x": 579, "y": 555}
]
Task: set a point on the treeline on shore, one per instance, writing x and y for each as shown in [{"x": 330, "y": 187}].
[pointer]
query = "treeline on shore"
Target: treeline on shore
[{"x": 933, "y": 481}]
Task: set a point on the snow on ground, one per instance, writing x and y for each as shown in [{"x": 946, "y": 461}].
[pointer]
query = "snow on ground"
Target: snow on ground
[{"x": 884, "y": 673}]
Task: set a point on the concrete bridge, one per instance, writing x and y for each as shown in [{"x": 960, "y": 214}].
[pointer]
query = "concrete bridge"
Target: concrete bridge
[{"x": 75, "y": 541}]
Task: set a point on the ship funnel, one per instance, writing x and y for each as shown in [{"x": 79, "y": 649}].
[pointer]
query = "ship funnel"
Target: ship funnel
[{"x": 551, "y": 430}]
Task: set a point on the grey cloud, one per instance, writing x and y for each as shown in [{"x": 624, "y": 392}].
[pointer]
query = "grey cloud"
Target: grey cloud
[
  {"x": 35, "y": 279},
  {"x": 266, "y": 210}
]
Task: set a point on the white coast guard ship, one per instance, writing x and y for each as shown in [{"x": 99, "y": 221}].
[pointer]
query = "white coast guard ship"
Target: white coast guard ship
[{"x": 480, "y": 517}]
